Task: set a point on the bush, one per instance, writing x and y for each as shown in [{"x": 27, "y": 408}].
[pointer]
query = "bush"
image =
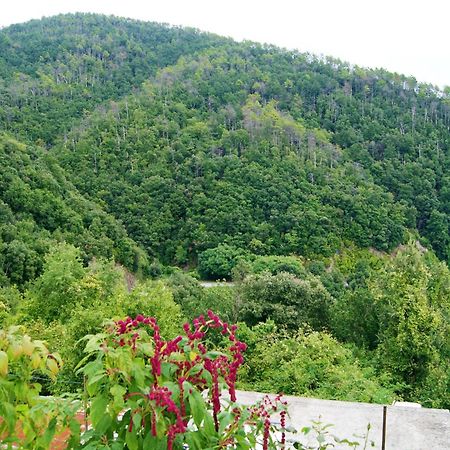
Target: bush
[
  {"x": 288, "y": 300},
  {"x": 188, "y": 293},
  {"x": 218, "y": 263},
  {"x": 195, "y": 299},
  {"x": 278, "y": 264},
  {"x": 309, "y": 363},
  {"x": 21, "y": 360}
]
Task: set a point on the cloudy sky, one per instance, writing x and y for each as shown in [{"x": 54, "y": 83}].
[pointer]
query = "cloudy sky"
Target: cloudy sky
[{"x": 406, "y": 36}]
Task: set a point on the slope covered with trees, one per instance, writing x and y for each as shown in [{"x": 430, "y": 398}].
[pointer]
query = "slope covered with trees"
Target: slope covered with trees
[
  {"x": 316, "y": 123},
  {"x": 57, "y": 69},
  {"x": 40, "y": 207},
  {"x": 190, "y": 170},
  {"x": 320, "y": 188}
]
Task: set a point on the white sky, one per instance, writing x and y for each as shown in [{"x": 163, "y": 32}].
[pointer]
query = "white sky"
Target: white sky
[{"x": 406, "y": 36}]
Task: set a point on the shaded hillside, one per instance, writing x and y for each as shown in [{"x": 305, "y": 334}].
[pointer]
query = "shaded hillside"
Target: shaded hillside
[{"x": 40, "y": 207}]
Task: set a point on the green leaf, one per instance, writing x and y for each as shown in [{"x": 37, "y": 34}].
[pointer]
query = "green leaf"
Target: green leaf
[
  {"x": 198, "y": 407},
  {"x": 118, "y": 393},
  {"x": 47, "y": 437},
  {"x": 97, "y": 377},
  {"x": 242, "y": 443},
  {"x": 194, "y": 441},
  {"x": 9, "y": 415},
  {"x": 132, "y": 440},
  {"x": 154, "y": 443},
  {"x": 98, "y": 409},
  {"x": 104, "y": 424},
  {"x": 213, "y": 354},
  {"x": 168, "y": 369},
  {"x": 208, "y": 425},
  {"x": 225, "y": 418},
  {"x": 137, "y": 420}
]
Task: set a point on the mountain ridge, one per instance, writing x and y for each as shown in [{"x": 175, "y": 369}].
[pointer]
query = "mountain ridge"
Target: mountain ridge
[{"x": 85, "y": 74}]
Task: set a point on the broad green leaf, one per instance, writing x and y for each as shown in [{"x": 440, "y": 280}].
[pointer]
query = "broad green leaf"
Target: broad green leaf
[
  {"x": 137, "y": 420},
  {"x": 104, "y": 424},
  {"x": 98, "y": 409},
  {"x": 198, "y": 407},
  {"x": 194, "y": 441},
  {"x": 132, "y": 440},
  {"x": 208, "y": 425},
  {"x": 225, "y": 418},
  {"x": 154, "y": 443}
]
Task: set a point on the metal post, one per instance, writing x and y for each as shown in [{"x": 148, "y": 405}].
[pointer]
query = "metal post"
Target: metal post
[{"x": 383, "y": 437}]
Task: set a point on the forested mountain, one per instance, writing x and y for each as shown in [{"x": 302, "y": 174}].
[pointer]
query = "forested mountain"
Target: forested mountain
[
  {"x": 321, "y": 188},
  {"x": 190, "y": 163},
  {"x": 193, "y": 140}
]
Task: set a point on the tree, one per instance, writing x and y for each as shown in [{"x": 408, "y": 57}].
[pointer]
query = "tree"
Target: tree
[
  {"x": 57, "y": 291},
  {"x": 308, "y": 363},
  {"x": 414, "y": 329},
  {"x": 218, "y": 263},
  {"x": 289, "y": 301}
]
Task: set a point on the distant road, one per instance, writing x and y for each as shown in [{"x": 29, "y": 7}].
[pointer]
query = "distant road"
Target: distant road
[{"x": 210, "y": 284}]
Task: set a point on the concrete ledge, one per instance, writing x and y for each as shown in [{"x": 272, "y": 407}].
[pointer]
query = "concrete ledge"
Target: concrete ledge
[{"x": 407, "y": 428}]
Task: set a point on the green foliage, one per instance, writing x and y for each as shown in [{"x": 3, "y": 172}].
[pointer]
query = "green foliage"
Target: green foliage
[
  {"x": 224, "y": 300},
  {"x": 149, "y": 145},
  {"x": 413, "y": 292},
  {"x": 40, "y": 207},
  {"x": 166, "y": 402},
  {"x": 69, "y": 301},
  {"x": 308, "y": 363},
  {"x": 187, "y": 292},
  {"x": 289, "y": 301},
  {"x": 279, "y": 191},
  {"x": 155, "y": 299},
  {"x": 10, "y": 299},
  {"x": 277, "y": 264},
  {"x": 323, "y": 438},
  {"x": 64, "y": 66},
  {"x": 218, "y": 263},
  {"x": 57, "y": 291},
  {"x": 195, "y": 299},
  {"x": 355, "y": 316},
  {"x": 40, "y": 418}
]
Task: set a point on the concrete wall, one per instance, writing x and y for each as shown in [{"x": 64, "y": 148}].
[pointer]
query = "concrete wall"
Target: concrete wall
[{"x": 407, "y": 427}]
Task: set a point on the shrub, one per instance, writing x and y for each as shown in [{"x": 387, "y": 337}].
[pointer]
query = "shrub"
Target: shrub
[
  {"x": 288, "y": 300},
  {"x": 21, "y": 360},
  {"x": 278, "y": 264},
  {"x": 218, "y": 263},
  {"x": 309, "y": 363}
]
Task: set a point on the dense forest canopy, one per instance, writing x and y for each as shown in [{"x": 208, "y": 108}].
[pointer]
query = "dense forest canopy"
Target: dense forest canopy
[
  {"x": 133, "y": 150},
  {"x": 203, "y": 141}
]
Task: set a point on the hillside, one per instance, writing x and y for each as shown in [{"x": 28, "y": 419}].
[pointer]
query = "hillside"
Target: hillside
[
  {"x": 188, "y": 170},
  {"x": 274, "y": 151},
  {"x": 164, "y": 155},
  {"x": 40, "y": 207},
  {"x": 57, "y": 69}
]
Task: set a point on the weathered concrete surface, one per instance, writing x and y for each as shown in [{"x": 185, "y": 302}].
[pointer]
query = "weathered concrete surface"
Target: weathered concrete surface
[{"x": 407, "y": 428}]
